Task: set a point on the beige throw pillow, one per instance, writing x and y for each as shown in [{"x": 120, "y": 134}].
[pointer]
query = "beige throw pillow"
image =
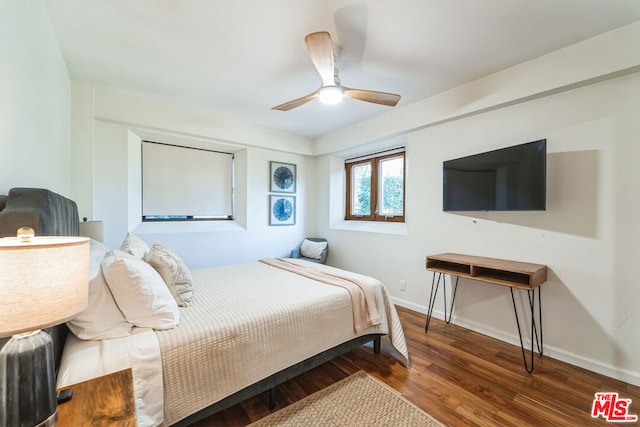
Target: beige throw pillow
[
  {"x": 134, "y": 245},
  {"x": 310, "y": 249},
  {"x": 174, "y": 272}
]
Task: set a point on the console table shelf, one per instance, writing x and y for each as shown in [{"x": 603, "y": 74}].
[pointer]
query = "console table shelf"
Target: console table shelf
[
  {"x": 515, "y": 274},
  {"x": 512, "y": 274}
]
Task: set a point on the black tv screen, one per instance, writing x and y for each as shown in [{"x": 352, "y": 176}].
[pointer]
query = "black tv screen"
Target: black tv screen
[{"x": 508, "y": 179}]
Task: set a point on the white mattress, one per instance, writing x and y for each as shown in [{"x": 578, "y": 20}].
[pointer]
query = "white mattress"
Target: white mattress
[{"x": 249, "y": 321}]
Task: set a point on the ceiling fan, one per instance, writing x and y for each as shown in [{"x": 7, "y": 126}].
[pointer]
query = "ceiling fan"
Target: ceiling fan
[{"x": 320, "y": 50}]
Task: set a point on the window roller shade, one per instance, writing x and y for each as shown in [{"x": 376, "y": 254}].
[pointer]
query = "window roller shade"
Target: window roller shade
[{"x": 186, "y": 181}]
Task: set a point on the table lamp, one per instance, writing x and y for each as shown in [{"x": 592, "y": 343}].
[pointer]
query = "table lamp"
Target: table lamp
[
  {"x": 43, "y": 282},
  {"x": 92, "y": 229}
]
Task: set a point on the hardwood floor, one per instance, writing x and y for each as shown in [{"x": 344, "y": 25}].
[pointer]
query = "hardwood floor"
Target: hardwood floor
[{"x": 460, "y": 377}]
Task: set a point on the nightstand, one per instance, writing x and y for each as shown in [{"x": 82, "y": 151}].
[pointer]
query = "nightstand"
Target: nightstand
[{"x": 103, "y": 401}]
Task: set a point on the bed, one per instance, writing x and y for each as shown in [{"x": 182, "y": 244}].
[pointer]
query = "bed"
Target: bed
[{"x": 247, "y": 328}]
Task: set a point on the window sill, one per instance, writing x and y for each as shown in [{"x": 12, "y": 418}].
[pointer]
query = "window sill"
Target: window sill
[
  {"x": 399, "y": 228},
  {"x": 162, "y": 227}
]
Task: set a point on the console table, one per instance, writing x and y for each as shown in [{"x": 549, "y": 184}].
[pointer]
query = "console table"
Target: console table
[{"x": 512, "y": 274}]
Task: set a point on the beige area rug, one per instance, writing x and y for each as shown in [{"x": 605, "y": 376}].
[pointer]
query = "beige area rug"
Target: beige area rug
[{"x": 358, "y": 400}]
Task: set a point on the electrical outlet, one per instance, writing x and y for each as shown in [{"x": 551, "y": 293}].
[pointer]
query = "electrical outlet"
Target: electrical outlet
[{"x": 403, "y": 286}]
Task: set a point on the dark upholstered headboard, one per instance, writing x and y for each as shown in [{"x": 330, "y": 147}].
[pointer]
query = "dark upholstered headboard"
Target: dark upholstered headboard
[{"x": 49, "y": 214}]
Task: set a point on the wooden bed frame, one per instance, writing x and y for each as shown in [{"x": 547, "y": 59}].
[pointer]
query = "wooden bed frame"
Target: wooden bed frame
[{"x": 49, "y": 213}]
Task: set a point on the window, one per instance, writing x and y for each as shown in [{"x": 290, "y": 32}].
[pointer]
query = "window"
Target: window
[
  {"x": 375, "y": 186},
  {"x": 185, "y": 184}
]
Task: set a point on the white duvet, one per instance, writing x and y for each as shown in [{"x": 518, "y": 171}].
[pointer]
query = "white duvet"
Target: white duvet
[{"x": 246, "y": 322}]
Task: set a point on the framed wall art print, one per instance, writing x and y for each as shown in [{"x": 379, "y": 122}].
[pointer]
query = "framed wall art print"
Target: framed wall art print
[
  {"x": 283, "y": 177},
  {"x": 282, "y": 210}
]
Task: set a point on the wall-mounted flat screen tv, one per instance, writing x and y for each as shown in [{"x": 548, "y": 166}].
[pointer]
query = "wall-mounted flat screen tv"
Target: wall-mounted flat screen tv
[{"x": 508, "y": 179}]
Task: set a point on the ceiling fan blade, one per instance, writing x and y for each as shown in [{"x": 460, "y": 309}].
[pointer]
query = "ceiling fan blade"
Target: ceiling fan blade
[
  {"x": 321, "y": 52},
  {"x": 375, "y": 97},
  {"x": 290, "y": 105}
]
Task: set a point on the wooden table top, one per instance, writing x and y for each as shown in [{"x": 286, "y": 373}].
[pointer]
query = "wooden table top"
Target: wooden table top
[{"x": 103, "y": 401}]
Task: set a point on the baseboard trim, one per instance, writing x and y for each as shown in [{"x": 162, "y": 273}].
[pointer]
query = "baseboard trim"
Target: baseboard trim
[{"x": 589, "y": 364}]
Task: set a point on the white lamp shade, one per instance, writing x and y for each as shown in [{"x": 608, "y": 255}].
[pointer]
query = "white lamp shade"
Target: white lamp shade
[
  {"x": 43, "y": 282},
  {"x": 92, "y": 229}
]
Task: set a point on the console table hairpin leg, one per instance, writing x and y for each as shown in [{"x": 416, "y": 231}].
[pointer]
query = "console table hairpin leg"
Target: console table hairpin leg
[
  {"x": 432, "y": 298},
  {"x": 435, "y": 284},
  {"x": 534, "y": 331}
]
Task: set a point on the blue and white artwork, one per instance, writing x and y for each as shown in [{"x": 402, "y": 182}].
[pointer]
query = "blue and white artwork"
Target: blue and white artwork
[
  {"x": 283, "y": 177},
  {"x": 282, "y": 210}
]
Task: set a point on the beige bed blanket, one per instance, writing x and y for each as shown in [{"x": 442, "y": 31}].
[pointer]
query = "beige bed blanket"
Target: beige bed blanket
[
  {"x": 249, "y": 321},
  {"x": 365, "y": 312}
]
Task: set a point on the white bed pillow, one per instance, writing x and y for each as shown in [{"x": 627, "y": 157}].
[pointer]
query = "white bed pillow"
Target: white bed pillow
[
  {"x": 310, "y": 249},
  {"x": 174, "y": 272},
  {"x": 134, "y": 245},
  {"x": 140, "y": 292},
  {"x": 102, "y": 319}
]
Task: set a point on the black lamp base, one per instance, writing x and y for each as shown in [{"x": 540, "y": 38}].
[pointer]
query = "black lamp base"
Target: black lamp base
[{"x": 27, "y": 381}]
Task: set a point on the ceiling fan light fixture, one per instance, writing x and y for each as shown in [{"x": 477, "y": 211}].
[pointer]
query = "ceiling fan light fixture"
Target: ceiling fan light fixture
[
  {"x": 331, "y": 95},
  {"x": 331, "y": 91}
]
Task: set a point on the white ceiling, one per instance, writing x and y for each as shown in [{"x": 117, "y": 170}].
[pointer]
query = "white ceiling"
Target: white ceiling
[{"x": 237, "y": 59}]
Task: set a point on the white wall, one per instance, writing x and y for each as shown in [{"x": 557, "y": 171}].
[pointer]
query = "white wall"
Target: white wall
[
  {"x": 587, "y": 236},
  {"x": 34, "y": 101}
]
